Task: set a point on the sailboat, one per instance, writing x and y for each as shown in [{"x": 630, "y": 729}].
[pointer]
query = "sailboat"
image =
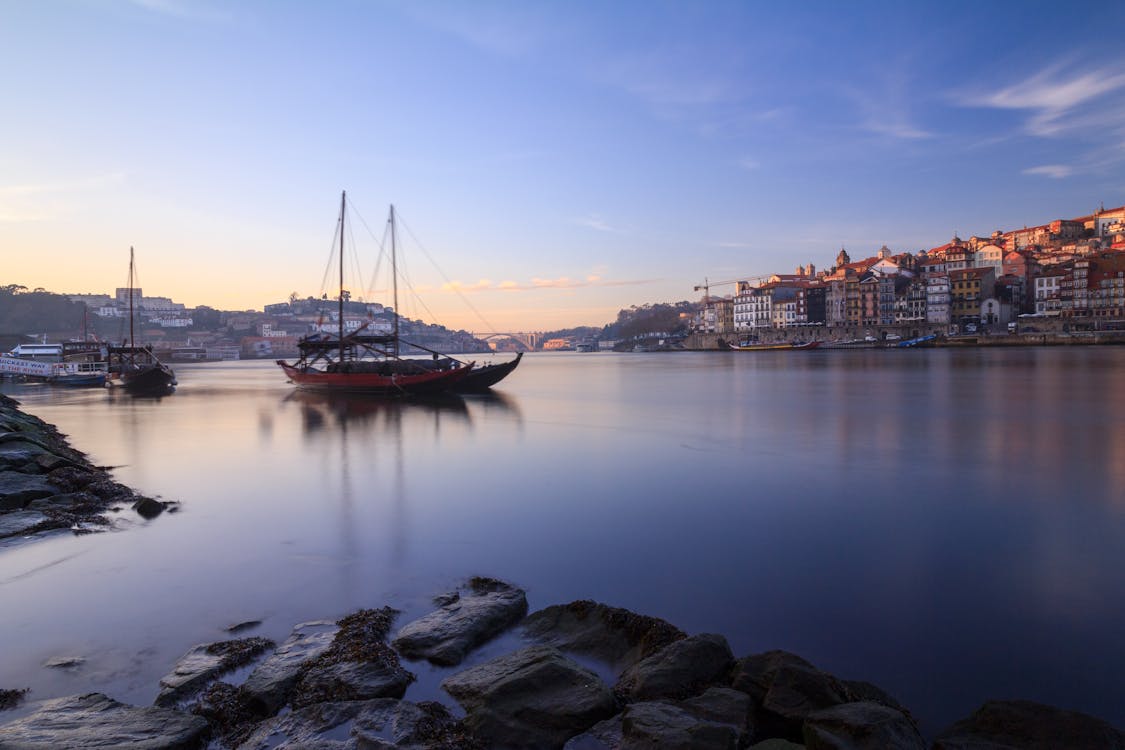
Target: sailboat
[
  {"x": 360, "y": 362},
  {"x": 134, "y": 367}
]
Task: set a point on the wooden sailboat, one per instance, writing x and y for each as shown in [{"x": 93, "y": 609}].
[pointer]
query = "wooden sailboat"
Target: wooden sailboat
[
  {"x": 134, "y": 367},
  {"x": 367, "y": 363}
]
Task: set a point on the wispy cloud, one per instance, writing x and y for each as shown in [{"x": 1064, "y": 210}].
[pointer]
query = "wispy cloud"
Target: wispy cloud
[
  {"x": 195, "y": 11},
  {"x": 887, "y": 103},
  {"x": 32, "y": 202},
  {"x": 64, "y": 186},
  {"x": 596, "y": 222},
  {"x": 1055, "y": 171},
  {"x": 749, "y": 164},
  {"x": 1055, "y": 96},
  {"x": 539, "y": 283}
]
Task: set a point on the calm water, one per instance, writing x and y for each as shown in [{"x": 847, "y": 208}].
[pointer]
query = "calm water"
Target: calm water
[{"x": 947, "y": 524}]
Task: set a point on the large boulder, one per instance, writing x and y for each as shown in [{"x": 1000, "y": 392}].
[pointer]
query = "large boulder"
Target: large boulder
[
  {"x": 205, "y": 663},
  {"x": 717, "y": 718},
  {"x": 681, "y": 669},
  {"x": 94, "y": 721},
  {"x": 670, "y": 726},
  {"x": 20, "y": 522},
  {"x": 533, "y": 698},
  {"x": 368, "y": 724},
  {"x": 268, "y": 686},
  {"x": 786, "y": 689},
  {"x": 358, "y": 665},
  {"x": 861, "y": 726},
  {"x": 999, "y": 725},
  {"x": 616, "y": 636},
  {"x": 18, "y": 489},
  {"x": 446, "y": 635}
]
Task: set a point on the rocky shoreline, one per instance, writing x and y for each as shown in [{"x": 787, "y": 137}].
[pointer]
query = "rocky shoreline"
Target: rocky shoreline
[
  {"x": 584, "y": 675},
  {"x": 341, "y": 685},
  {"x": 45, "y": 485}
]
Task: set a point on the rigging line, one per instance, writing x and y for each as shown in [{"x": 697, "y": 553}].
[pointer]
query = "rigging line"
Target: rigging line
[
  {"x": 451, "y": 285},
  {"x": 331, "y": 256},
  {"x": 380, "y": 243}
]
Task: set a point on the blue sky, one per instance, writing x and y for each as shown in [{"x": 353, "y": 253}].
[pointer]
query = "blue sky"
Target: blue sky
[{"x": 558, "y": 160}]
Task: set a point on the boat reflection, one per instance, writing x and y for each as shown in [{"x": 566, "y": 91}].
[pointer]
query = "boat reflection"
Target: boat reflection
[
  {"x": 319, "y": 409},
  {"x": 495, "y": 403}
]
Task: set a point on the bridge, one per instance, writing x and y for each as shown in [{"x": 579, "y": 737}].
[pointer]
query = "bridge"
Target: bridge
[{"x": 529, "y": 340}]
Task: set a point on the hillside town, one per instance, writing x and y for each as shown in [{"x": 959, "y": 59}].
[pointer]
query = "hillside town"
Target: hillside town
[
  {"x": 1067, "y": 274},
  {"x": 203, "y": 333}
]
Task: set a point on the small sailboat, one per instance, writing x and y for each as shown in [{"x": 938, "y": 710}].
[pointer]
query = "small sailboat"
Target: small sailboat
[
  {"x": 136, "y": 368},
  {"x": 359, "y": 362}
]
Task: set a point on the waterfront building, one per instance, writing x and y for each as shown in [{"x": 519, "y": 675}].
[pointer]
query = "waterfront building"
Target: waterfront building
[
  {"x": 967, "y": 289},
  {"x": 910, "y": 301},
  {"x": 990, "y": 256},
  {"x": 1047, "y": 299},
  {"x": 937, "y": 299}
]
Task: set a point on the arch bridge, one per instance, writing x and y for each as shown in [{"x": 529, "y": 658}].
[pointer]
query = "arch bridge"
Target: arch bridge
[{"x": 529, "y": 340}]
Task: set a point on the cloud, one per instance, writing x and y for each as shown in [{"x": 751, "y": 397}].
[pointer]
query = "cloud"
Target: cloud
[
  {"x": 66, "y": 186},
  {"x": 33, "y": 202},
  {"x": 457, "y": 286},
  {"x": 1054, "y": 171},
  {"x": 181, "y": 9},
  {"x": 538, "y": 284},
  {"x": 1052, "y": 96},
  {"x": 885, "y": 103},
  {"x": 749, "y": 164},
  {"x": 596, "y": 222}
]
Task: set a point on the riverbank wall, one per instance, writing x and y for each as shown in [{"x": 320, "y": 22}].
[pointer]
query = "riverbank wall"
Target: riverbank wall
[{"x": 713, "y": 342}]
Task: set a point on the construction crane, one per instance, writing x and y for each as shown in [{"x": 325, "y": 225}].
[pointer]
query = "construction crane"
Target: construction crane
[{"x": 706, "y": 285}]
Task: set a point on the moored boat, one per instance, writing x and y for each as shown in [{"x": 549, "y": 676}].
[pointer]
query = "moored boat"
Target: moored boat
[
  {"x": 368, "y": 363},
  {"x": 136, "y": 368},
  {"x": 778, "y": 346}
]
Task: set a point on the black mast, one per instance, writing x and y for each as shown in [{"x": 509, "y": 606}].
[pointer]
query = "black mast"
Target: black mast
[
  {"x": 343, "y": 198},
  {"x": 132, "y": 343},
  {"x": 394, "y": 275}
]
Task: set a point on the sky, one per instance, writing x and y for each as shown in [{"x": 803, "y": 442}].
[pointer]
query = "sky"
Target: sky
[{"x": 550, "y": 162}]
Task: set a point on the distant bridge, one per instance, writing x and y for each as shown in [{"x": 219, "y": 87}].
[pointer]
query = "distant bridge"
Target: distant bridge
[{"x": 529, "y": 340}]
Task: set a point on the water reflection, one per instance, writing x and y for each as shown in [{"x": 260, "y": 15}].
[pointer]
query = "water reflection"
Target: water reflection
[{"x": 319, "y": 410}]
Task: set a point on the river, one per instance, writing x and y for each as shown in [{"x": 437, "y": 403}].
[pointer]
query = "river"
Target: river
[{"x": 948, "y": 524}]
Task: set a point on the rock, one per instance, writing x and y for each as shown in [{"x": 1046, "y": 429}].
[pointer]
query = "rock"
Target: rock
[
  {"x": 11, "y": 698},
  {"x": 999, "y": 725},
  {"x": 787, "y": 689},
  {"x": 724, "y": 705},
  {"x": 447, "y": 634},
  {"x": 613, "y": 635},
  {"x": 367, "y": 724},
  {"x": 94, "y": 721},
  {"x": 352, "y": 680},
  {"x": 776, "y": 744},
  {"x": 861, "y": 726},
  {"x": 267, "y": 688},
  {"x": 67, "y": 502},
  {"x": 359, "y": 665},
  {"x": 533, "y": 698},
  {"x": 22, "y": 522},
  {"x": 205, "y": 663},
  {"x": 148, "y": 508},
  {"x": 18, "y": 489},
  {"x": 681, "y": 669},
  {"x": 64, "y": 662},
  {"x": 17, "y": 451},
  {"x": 669, "y": 726},
  {"x": 605, "y": 735},
  {"x": 243, "y": 626}
]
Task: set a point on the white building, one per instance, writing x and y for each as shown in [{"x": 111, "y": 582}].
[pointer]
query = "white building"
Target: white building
[{"x": 937, "y": 299}]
